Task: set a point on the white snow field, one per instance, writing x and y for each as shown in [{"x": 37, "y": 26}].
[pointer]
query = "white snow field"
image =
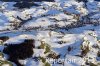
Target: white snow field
[{"x": 66, "y": 32}]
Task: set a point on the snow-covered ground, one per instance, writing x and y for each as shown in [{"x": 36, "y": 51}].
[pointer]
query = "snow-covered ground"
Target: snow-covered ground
[{"x": 66, "y": 28}]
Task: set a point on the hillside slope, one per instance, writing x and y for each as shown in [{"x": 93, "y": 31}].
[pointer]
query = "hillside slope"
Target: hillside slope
[{"x": 66, "y": 32}]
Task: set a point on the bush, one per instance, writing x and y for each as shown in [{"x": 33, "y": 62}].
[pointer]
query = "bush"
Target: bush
[
  {"x": 25, "y": 5},
  {"x": 53, "y": 55},
  {"x": 1, "y": 55},
  {"x": 47, "y": 64},
  {"x": 19, "y": 51},
  {"x": 85, "y": 51},
  {"x": 43, "y": 59},
  {"x": 98, "y": 54},
  {"x": 6, "y": 63},
  {"x": 4, "y": 38},
  {"x": 47, "y": 49}
]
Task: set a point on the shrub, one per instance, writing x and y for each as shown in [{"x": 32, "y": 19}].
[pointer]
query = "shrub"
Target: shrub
[
  {"x": 92, "y": 64},
  {"x": 53, "y": 55},
  {"x": 4, "y": 38},
  {"x": 19, "y": 51},
  {"x": 98, "y": 54},
  {"x": 25, "y": 5},
  {"x": 47, "y": 49},
  {"x": 43, "y": 59},
  {"x": 1, "y": 55},
  {"x": 85, "y": 51},
  {"x": 6, "y": 63},
  {"x": 47, "y": 64},
  {"x": 45, "y": 46}
]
